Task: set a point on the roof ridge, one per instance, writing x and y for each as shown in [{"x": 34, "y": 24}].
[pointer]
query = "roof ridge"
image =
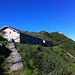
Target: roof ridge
[{"x": 22, "y": 32}]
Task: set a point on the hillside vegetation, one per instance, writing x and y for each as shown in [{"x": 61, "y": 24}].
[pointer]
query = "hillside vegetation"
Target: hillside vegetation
[
  {"x": 57, "y": 39},
  {"x": 40, "y": 60},
  {"x": 46, "y": 61}
]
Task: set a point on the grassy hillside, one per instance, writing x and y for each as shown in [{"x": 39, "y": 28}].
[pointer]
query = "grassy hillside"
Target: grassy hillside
[
  {"x": 46, "y": 61},
  {"x": 40, "y": 60},
  {"x": 57, "y": 39}
]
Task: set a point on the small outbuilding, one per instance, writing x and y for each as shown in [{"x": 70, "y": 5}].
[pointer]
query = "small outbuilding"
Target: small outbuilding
[{"x": 13, "y": 34}]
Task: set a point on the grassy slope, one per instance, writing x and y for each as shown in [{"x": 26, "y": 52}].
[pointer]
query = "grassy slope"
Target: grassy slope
[
  {"x": 57, "y": 39},
  {"x": 47, "y": 61}
]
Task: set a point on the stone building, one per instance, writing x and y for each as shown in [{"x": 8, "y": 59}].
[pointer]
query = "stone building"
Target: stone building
[{"x": 16, "y": 35}]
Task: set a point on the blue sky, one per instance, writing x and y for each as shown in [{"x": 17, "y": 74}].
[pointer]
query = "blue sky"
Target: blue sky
[{"x": 37, "y": 15}]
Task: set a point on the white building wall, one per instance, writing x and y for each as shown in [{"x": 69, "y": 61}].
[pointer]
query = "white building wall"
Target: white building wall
[{"x": 12, "y": 34}]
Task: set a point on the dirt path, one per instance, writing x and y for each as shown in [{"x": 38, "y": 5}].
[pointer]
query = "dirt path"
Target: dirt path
[{"x": 69, "y": 54}]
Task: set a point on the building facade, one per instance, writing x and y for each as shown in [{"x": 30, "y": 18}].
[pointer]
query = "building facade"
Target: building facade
[{"x": 22, "y": 37}]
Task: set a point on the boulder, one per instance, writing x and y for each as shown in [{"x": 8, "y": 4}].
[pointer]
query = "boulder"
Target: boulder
[
  {"x": 11, "y": 46},
  {"x": 16, "y": 66},
  {"x": 17, "y": 59}
]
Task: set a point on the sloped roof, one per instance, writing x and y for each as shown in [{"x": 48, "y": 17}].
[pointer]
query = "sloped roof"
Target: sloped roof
[
  {"x": 4, "y": 27},
  {"x": 19, "y": 31}
]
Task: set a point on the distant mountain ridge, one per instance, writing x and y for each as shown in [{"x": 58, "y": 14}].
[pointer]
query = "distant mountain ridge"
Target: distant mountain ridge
[
  {"x": 54, "y": 37},
  {"x": 57, "y": 39}
]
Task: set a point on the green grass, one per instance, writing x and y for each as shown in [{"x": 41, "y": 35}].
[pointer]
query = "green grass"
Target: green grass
[
  {"x": 57, "y": 39},
  {"x": 48, "y": 61},
  {"x": 45, "y": 62}
]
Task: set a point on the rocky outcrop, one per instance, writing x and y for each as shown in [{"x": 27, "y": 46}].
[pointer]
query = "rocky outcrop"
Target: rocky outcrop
[{"x": 16, "y": 60}]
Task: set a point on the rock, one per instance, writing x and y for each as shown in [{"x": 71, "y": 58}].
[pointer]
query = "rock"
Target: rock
[
  {"x": 17, "y": 59},
  {"x": 13, "y": 49},
  {"x": 17, "y": 55},
  {"x": 14, "y": 53},
  {"x": 1, "y": 44},
  {"x": 10, "y": 61},
  {"x": 11, "y": 46},
  {"x": 16, "y": 66}
]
